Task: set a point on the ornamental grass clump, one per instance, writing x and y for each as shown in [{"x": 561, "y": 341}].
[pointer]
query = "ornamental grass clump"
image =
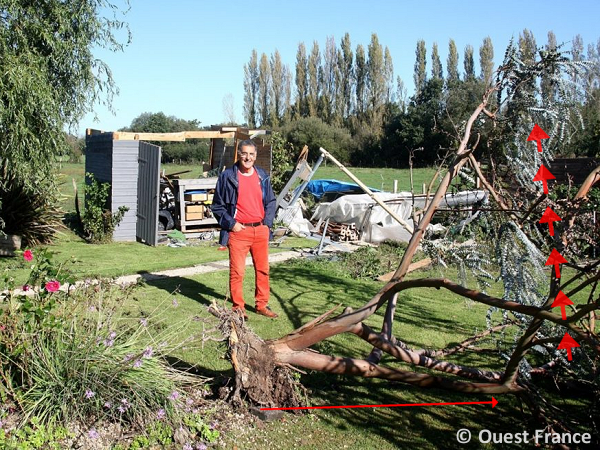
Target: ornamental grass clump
[{"x": 74, "y": 356}]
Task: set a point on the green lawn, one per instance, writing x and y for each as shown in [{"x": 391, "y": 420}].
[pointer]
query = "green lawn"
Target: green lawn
[
  {"x": 301, "y": 291},
  {"x": 115, "y": 259}
]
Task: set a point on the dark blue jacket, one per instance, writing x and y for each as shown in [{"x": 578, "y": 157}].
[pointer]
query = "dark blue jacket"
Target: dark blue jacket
[{"x": 226, "y": 195}]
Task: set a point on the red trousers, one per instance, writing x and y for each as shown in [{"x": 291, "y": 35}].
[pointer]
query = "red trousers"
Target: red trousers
[{"x": 256, "y": 241}]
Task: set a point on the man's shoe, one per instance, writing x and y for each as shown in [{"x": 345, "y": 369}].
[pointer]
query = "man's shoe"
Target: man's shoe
[
  {"x": 241, "y": 312},
  {"x": 266, "y": 312}
]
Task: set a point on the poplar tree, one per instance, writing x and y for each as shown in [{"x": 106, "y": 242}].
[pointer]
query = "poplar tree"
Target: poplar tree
[
  {"x": 577, "y": 52},
  {"x": 452, "y": 62},
  {"x": 277, "y": 89},
  {"x": 420, "y": 73},
  {"x": 388, "y": 67},
  {"x": 436, "y": 64},
  {"x": 376, "y": 81},
  {"x": 314, "y": 67},
  {"x": 287, "y": 93},
  {"x": 301, "y": 81},
  {"x": 339, "y": 103},
  {"x": 469, "y": 63},
  {"x": 251, "y": 90},
  {"x": 361, "y": 80},
  {"x": 346, "y": 64},
  {"x": 527, "y": 52},
  {"x": 486, "y": 60},
  {"x": 401, "y": 94},
  {"x": 330, "y": 68},
  {"x": 264, "y": 90},
  {"x": 547, "y": 84}
]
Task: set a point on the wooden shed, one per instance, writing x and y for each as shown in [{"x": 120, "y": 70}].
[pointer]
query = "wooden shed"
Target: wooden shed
[
  {"x": 573, "y": 170},
  {"x": 132, "y": 167}
]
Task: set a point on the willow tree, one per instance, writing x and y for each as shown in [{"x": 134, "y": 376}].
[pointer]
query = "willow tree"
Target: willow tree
[
  {"x": 506, "y": 243},
  {"x": 49, "y": 80}
]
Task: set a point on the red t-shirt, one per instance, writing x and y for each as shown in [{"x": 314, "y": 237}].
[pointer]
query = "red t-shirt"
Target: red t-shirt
[{"x": 250, "y": 206}]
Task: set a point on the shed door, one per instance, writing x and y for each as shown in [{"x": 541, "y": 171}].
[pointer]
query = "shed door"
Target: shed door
[{"x": 147, "y": 193}]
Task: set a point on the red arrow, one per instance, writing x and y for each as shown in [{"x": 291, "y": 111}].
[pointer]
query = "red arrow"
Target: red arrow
[
  {"x": 537, "y": 134},
  {"x": 493, "y": 402},
  {"x": 555, "y": 259},
  {"x": 548, "y": 217},
  {"x": 562, "y": 300},
  {"x": 544, "y": 175},
  {"x": 566, "y": 343}
]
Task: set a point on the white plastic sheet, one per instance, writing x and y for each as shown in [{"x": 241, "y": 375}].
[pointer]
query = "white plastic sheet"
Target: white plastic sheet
[{"x": 374, "y": 222}]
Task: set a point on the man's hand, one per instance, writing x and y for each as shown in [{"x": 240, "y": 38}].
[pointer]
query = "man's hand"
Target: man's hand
[{"x": 238, "y": 227}]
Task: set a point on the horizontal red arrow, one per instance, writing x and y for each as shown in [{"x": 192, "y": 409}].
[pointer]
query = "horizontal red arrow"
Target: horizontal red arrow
[{"x": 493, "y": 402}]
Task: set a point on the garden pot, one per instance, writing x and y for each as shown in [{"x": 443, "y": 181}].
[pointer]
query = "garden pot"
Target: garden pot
[{"x": 9, "y": 243}]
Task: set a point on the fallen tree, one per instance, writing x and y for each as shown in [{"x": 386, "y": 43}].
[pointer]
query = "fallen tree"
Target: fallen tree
[{"x": 518, "y": 246}]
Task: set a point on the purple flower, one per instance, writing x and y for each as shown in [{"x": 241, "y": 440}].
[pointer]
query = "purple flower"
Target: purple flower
[
  {"x": 148, "y": 352},
  {"x": 188, "y": 446},
  {"x": 125, "y": 402},
  {"x": 89, "y": 394},
  {"x": 121, "y": 409},
  {"x": 137, "y": 363},
  {"x": 201, "y": 446},
  {"x": 128, "y": 357},
  {"x": 144, "y": 322},
  {"x": 108, "y": 405},
  {"x": 92, "y": 433},
  {"x": 174, "y": 395},
  {"x": 109, "y": 342},
  {"x": 189, "y": 402},
  {"x": 175, "y": 303},
  {"x": 161, "y": 414},
  {"x": 112, "y": 335},
  {"x": 92, "y": 308}
]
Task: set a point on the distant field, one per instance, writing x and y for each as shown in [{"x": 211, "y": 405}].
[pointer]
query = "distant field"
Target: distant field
[
  {"x": 382, "y": 179},
  {"x": 373, "y": 177}
]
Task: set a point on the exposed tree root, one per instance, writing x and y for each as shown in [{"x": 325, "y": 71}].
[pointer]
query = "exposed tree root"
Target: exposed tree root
[{"x": 258, "y": 377}]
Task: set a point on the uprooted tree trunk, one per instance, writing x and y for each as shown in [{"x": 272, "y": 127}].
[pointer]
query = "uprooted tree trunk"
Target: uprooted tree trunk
[
  {"x": 258, "y": 374},
  {"x": 262, "y": 367}
]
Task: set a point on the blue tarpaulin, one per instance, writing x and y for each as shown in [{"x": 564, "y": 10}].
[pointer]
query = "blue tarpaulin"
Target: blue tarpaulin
[{"x": 318, "y": 188}]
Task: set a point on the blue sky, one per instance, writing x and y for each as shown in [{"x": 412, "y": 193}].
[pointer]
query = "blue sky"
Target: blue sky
[{"x": 187, "y": 55}]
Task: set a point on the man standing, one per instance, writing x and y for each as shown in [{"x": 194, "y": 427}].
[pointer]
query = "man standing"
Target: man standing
[{"x": 244, "y": 205}]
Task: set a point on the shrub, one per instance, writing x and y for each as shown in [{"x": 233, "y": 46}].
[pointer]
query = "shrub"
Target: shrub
[
  {"x": 282, "y": 154},
  {"x": 315, "y": 133},
  {"x": 29, "y": 212},
  {"x": 98, "y": 221},
  {"x": 69, "y": 357}
]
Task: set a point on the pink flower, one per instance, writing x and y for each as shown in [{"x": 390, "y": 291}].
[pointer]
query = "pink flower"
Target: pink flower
[
  {"x": 27, "y": 255},
  {"x": 52, "y": 286}
]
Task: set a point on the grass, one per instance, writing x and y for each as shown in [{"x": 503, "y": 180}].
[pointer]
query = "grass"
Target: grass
[
  {"x": 380, "y": 178},
  {"x": 301, "y": 291}
]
